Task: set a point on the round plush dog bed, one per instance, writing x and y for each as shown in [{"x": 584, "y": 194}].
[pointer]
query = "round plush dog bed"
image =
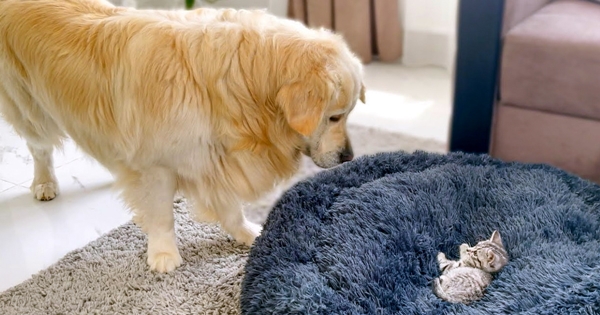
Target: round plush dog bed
[{"x": 363, "y": 238}]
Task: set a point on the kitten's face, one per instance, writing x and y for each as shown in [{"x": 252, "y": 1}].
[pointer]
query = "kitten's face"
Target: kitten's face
[{"x": 490, "y": 254}]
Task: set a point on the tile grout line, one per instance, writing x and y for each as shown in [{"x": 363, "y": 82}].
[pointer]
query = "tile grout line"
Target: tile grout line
[
  {"x": 10, "y": 187},
  {"x": 22, "y": 184}
]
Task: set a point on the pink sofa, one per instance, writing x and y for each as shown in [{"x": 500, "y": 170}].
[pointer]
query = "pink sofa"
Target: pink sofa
[{"x": 548, "y": 107}]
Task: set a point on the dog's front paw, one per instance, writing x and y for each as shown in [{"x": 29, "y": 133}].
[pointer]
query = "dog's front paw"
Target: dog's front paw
[
  {"x": 163, "y": 261},
  {"x": 248, "y": 233},
  {"x": 45, "y": 191}
]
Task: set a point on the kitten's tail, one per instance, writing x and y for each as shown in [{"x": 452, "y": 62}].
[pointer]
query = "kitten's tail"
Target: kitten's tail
[{"x": 438, "y": 290}]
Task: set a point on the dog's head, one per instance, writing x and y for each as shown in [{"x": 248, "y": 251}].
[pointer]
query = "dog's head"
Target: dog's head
[{"x": 317, "y": 103}]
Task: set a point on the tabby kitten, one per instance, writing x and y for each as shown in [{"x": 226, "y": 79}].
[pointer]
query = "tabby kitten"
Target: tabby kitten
[{"x": 465, "y": 280}]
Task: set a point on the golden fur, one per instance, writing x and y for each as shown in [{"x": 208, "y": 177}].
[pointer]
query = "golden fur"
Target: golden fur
[{"x": 218, "y": 104}]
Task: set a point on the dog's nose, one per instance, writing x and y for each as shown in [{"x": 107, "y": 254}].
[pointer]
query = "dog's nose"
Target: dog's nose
[{"x": 346, "y": 156}]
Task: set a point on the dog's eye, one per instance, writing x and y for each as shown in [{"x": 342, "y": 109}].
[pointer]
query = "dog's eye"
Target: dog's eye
[{"x": 335, "y": 118}]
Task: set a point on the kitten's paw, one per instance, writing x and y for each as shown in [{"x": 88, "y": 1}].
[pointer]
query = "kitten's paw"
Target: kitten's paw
[
  {"x": 45, "y": 191},
  {"x": 443, "y": 262},
  {"x": 463, "y": 247},
  {"x": 164, "y": 262}
]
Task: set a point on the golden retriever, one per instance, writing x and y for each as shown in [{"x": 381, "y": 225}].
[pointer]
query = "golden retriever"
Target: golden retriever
[{"x": 216, "y": 104}]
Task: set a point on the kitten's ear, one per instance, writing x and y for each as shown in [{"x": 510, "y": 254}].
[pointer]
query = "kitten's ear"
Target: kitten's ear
[{"x": 496, "y": 239}]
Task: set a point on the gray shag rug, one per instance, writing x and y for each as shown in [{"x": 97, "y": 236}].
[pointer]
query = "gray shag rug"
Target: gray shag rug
[{"x": 110, "y": 275}]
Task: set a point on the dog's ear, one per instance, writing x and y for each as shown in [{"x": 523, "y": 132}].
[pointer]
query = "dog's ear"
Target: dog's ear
[
  {"x": 303, "y": 104},
  {"x": 363, "y": 93}
]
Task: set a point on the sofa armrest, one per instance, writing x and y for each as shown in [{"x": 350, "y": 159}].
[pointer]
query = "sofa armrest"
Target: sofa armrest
[{"x": 515, "y": 11}]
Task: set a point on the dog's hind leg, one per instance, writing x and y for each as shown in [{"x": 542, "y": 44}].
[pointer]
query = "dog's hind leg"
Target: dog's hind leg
[
  {"x": 41, "y": 133},
  {"x": 150, "y": 193}
]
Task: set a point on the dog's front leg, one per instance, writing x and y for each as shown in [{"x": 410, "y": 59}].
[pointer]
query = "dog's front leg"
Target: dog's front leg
[
  {"x": 151, "y": 198},
  {"x": 232, "y": 220},
  {"x": 44, "y": 186}
]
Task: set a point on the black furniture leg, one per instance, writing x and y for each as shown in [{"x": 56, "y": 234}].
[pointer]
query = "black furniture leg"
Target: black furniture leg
[{"x": 476, "y": 76}]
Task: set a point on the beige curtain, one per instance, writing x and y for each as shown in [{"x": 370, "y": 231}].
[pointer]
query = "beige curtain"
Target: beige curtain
[{"x": 371, "y": 27}]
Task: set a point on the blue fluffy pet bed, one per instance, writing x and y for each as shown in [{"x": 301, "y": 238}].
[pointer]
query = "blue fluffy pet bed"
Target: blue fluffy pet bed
[{"x": 363, "y": 238}]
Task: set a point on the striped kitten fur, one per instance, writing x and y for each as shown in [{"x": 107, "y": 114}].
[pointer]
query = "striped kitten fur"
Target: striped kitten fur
[{"x": 465, "y": 280}]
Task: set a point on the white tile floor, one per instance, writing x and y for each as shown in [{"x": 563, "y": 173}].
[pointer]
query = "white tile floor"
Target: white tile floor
[{"x": 33, "y": 234}]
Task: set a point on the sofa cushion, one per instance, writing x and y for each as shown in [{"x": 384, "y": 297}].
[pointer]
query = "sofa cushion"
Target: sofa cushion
[
  {"x": 533, "y": 136},
  {"x": 551, "y": 61}
]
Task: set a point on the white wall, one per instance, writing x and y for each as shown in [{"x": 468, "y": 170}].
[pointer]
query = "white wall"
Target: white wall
[{"x": 429, "y": 32}]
